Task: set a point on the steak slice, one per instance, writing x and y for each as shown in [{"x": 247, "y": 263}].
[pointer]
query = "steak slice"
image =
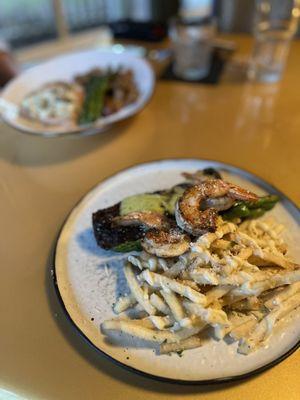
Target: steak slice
[{"x": 108, "y": 234}]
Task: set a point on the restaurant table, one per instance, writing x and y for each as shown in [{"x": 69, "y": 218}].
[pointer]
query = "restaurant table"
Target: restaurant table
[{"x": 252, "y": 126}]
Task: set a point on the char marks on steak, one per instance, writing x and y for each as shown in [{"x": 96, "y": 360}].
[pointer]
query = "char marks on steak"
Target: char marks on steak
[{"x": 108, "y": 234}]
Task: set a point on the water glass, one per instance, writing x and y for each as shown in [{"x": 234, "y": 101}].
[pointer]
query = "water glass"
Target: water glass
[
  {"x": 276, "y": 23},
  {"x": 192, "y": 43}
]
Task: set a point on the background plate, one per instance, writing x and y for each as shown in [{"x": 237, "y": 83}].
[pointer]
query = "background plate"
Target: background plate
[
  {"x": 90, "y": 279},
  {"x": 64, "y": 68}
]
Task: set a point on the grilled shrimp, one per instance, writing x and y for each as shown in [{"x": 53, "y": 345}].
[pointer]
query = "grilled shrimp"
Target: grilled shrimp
[
  {"x": 171, "y": 243},
  {"x": 147, "y": 219},
  {"x": 218, "y": 203},
  {"x": 195, "y": 221}
]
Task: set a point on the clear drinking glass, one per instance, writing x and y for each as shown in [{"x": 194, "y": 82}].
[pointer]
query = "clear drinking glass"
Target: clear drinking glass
[
  {"x": 276, "y": 23},
  {"x": 192, "y": 47}
]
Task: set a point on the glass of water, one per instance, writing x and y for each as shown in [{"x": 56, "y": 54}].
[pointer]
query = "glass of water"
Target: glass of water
[
  {"x": 192, "y": 43},
  {"x": 276, "y": 23}
]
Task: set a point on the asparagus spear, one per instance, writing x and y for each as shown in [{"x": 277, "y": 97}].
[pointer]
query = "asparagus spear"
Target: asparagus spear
[
  {"x": 265, "y": 202},
  {"x": 94, "y": 99},
  {"x": 246, "y": 209},
  {"x": 128, "y": 246}
]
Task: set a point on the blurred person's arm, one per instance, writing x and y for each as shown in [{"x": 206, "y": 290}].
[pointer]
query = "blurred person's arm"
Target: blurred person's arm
[{"x": 8, "y": 67}]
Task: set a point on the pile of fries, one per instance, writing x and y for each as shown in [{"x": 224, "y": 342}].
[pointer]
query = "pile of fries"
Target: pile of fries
[{"x": 237, "y": 281}]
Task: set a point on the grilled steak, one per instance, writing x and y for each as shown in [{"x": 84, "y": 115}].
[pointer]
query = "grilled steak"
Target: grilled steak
[{"x": 109, "y": 235}]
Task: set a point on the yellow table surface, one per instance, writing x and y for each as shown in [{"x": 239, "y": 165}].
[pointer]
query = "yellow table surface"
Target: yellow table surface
[{"x": 256, "y": 127}]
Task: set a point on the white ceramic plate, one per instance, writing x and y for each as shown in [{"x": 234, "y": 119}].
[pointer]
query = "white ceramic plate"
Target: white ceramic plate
[
  {"x": 89, "y": 279},
  {"x": 64, "y": 68}
]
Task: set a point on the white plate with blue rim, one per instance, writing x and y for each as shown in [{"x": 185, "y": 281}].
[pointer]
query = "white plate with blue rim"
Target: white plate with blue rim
[
  {"x": 64, "y": 68},
  {"x": 88, "y": 280}
]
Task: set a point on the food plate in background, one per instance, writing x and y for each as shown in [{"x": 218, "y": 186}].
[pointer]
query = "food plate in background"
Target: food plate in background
[
  {"x": 65, "y": 68},
  {"x": 89, "y": 280}
]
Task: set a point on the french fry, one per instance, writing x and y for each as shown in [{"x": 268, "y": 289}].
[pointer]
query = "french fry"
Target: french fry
[
  {"x": 278, "y": 298},
  {"x": 190, "y": 343},
  {"x": 209, "y": 315},
  {"x": 206, "y": 258},
  {"x": 145, "y": 262},
  {"x": 186, "y": 322},
  {"x": 206, "y": 240},
  {"x": 256, "y": 288},
  {"x": 244, "y": 239},
  {"x": 163, "y": 264},
  {"x": 174, "y": 304},
  {"x": 265, "y": 326},
  {"x": 135, "y": 328},
  {"x": 258, "y": 251},
  {"x": 137, "y": 291},
  {"x": 161, "y": 322},
  {"x": 277, "y": 259},
  {"x": 221, "y": 244},
  {"x": 144, "y": 322},
  {"x": 250, "y": 277},
  {"x": 216, "y": 293},
  {"x": 243, "y": 329},
  {"x": 190, "y": 283},
  {"x": 162, "y": 282},
  {"x": 245, "y": 253},
  {"x": 189, "y": 331},
  {"x": 131, "y": 327},
  {"x": 240, "y": 325},
  {"x": 137, "y": 262},
  {"x": 205, "y": 276},
  {"x": 175, "y": 270},
  {"x": 248, "y": 304},
  {"x": 159, "y": 304},
  {"x": 123, "y": 303},
  {"x": 235, "y": 320}
]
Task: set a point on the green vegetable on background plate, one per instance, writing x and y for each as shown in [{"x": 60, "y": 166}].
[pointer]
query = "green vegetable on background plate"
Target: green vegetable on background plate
[{"x": 94, "y": 99}]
